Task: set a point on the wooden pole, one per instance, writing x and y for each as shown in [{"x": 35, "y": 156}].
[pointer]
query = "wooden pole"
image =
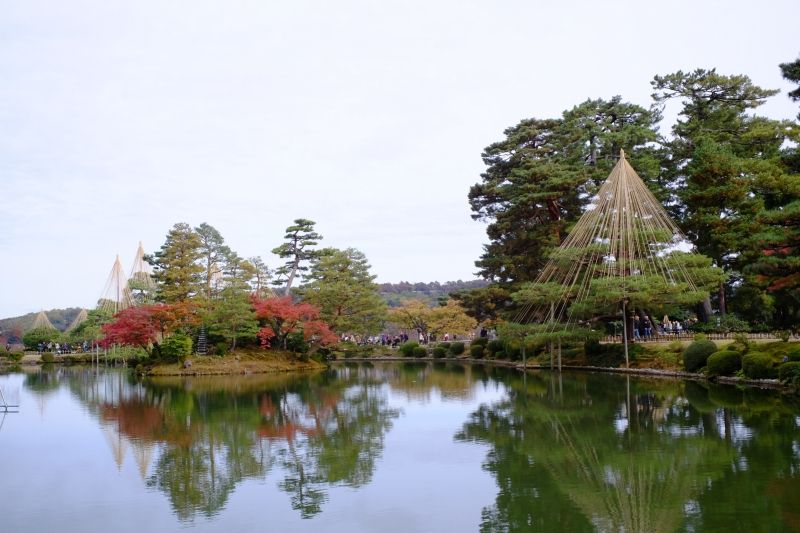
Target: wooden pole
[{"x": 625, "y": 330}]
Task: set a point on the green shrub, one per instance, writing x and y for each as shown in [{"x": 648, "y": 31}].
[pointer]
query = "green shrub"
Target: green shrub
[
  {"x": 476, "y": 351},
  {"x": 609, "y": 355},
  {"x": 783, "y": 335},
  {"x": 445, "y": 345},
  {"x": 742, "y": 342},
  {"x": 32, "y": 338},
  {"x": 296, "y": 342},
  {"x": 794, "y": 354},
  {"x": 724, "y": 363},
  {"x": 695, "y": 356},
  {"x": 48, "y": 357},
  {"x": 420, "y": 351},
  {"x": 457, "y": 348},
  {"x": 758, "y": 366},
  {"x": 790, "y": 373},
  {"x": 499, "y": 355},
  {"x": 221, "y": 348},
  {"x": 176, "y": 347},
  {"x": 480, "y": 341},
  {"x": 494, "y": 346},
  {"x": 407, "y": 349},
  {"x": 15, "y": 357},
  {"x": 439, "y": 352}
]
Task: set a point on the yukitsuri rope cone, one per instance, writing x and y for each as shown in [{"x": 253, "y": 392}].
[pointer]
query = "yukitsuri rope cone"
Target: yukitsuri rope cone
[
  {"x": 42, "y": 322},
  {"x": 79, "y": 319},
  {"x": 116, "y": 294},
  {"x": 141, "y": 272},
  {"x": 623, "y": 251}
]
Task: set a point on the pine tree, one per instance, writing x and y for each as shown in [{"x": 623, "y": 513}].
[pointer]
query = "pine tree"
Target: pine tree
[
  {"x": 300, "y": 237},
  {"x": 540, "y": 177},
  {"x": 175, "y": 269},
  {"x": 340, "y": 285}
]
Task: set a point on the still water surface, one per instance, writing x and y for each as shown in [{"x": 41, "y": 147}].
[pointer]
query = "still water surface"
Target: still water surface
[{"x": 394, "y": 448}]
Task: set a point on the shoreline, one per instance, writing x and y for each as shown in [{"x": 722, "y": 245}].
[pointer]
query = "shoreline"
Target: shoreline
[
  {"x": 772, "y": 384},
  {"x": 280, "y": 362}
]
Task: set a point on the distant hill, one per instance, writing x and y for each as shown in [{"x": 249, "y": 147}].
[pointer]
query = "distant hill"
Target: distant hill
[
  {"x": 60, "y": 318},
  {"x": 397, "y": 293}
]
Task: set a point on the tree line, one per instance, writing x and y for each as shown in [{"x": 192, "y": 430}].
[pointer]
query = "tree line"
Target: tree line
[
  {"x": 727, "y": 176},
  {"x": 316, "y": 296}
]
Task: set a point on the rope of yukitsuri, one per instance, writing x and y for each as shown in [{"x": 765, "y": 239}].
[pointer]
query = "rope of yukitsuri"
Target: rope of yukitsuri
[{"x": 625, "y": 232}]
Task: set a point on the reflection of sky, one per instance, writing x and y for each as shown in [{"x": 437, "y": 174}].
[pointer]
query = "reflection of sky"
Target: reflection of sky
[{"x": 65, "y": 478}]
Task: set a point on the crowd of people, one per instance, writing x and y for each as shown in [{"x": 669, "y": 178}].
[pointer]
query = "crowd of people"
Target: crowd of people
[
  {"x": 646, "y": 328},
  {"x": 64, "y": 348},
  {"x": 396, "y": 339}
]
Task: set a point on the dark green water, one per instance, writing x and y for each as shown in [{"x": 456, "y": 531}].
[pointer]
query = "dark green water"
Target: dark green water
[{"x": 394, "y": 448}]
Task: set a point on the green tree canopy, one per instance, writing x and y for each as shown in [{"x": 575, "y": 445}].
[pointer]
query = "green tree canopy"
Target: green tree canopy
[
  {"x": 340, "y": 285},
  {"x": 300, "y": 238},
  {"x": 176, "y": 270}
]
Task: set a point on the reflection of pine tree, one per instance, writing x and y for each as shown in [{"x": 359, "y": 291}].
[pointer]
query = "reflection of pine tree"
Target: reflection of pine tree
[{"x": 552, "y": 454}]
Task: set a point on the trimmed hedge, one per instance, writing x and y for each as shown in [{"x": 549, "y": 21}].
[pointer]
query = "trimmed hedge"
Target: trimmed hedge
[
  {"x": 407, "y": 349},
  {"x": 480, "y": 341},
  {"x": 457, "y": 348},
  {"x": 420, "y": 351},
  {"x": 790, "y": 373},
  {"x": 695, "y": 356},
  {"x": 724, "y": 363},
  {"x": 494, "y": 347},
  {"x": 439, "y": 352},
  {"x": 176, "y": 347},
  {"x": 758, "y": 366},
  {"x": 476, "y": 351}
]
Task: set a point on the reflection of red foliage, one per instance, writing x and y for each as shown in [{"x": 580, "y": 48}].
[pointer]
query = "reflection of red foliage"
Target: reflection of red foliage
[
  {"x": 147, "y": 423},
  {"x": 145, "y": 325},
  {"x": 284, "y": 317},
  {"x": 784, "y": 491}
]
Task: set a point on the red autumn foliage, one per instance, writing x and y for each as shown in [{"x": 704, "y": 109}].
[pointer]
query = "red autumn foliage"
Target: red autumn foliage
[
  {"x": 146, "y": 325},
  {"x": 284, "y": 317}
]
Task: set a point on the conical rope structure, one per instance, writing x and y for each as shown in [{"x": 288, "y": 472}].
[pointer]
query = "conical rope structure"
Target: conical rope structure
[
  {"x": 140, "y": 282},
  {"x": 78, "y": 320},
  {"x": 116, "y": 294},
  {"x": 623, "y": 250},
  {"x": 42, "y": 322}
]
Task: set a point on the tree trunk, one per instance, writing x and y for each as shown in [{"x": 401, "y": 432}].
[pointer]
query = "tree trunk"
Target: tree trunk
[
  {"x": 723, "y": 308},
  {"x": 555, "y": 216}
]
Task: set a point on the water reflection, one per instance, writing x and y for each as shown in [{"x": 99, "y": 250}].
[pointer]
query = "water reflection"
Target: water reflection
[
  {"x": 566, "y": 453},
  {"x": 197, "y": 439},
  {"x": 606, "y": 453}
]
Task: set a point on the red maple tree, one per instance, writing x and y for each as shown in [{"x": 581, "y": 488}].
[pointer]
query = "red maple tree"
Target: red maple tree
[
  {"x": 284, "y": 317},
  {"x": 145, "y": 326}
]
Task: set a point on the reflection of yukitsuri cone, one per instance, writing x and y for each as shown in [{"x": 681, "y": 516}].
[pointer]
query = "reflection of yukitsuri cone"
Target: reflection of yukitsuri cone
[
  {"x": 636, "y": 495},
  {"x": 77, "y": 321},
  {"x": 143, "y": 453},
  {"x": 117, "y": 443}
]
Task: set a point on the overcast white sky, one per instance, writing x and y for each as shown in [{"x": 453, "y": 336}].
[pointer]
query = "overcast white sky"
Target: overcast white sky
[{"x": 120, "y": 118}]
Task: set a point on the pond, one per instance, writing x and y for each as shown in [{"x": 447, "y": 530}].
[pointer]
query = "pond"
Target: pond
[{"x": 394, "y": 448}]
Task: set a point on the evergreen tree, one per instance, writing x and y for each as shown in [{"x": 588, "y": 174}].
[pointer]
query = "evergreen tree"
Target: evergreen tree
[
  {"x": 340, "y": 285},
  {"x": 175, "y": 268},
  {"x": 212, "y": 251},
  {"x": 791, "y": 71},
  {"x": 725, "y": 164},
  {"x": 261, "y": 277},
  {"x": 300, "y": 237},
  {"x": 541, "y": 176}
]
